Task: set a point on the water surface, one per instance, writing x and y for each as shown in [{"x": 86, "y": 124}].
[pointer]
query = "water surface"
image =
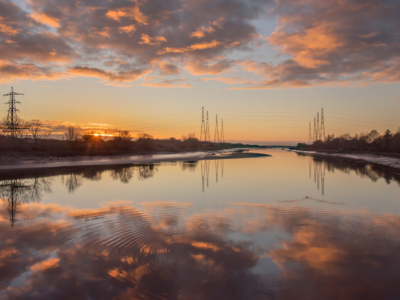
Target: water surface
[{"x": 282, "y": 227}]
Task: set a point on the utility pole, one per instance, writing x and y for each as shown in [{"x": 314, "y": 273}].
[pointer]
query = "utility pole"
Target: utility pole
[
  {"x": 12, "y": 117},
  {"x": 216, "y": 134},
  {"x": 222, "y": 137},
  {"x": 203, "y": 126},
  {"x": 207, "y": 135},
  {"x": 322, "y": 123}
]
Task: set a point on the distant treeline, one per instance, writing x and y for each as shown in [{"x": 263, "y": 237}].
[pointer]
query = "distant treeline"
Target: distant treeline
[
  {"x": 370, "y": 142},
  {"x": 91, "y": 144}
]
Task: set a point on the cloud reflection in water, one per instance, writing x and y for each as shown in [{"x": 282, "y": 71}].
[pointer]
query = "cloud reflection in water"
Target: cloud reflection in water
[{"x": 169, "y": 252}]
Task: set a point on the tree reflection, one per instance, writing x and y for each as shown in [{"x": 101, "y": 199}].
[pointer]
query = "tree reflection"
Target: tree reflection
[
  {"x": 189, "y": 165},
  {"x": 16, "y": 192},
  {"x": 319, "y": 164},
  {"x": 124, "y": 174},
  {"x": 146, "y": 171},
  {"x": 73, "y": 182}
]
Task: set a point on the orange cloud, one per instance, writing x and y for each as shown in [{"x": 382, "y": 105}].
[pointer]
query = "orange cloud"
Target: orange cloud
[
  {"x": 198, "y": 34},
  {"x": 307, "y": 46},
  {"x": 127, "y": 29},
  {"x": 157, "y": 40},
  {"x": 198, "y": 67},
  {"x": 175, "y": 83},
  {"x": 108, "y": 75},
  {"x": 240, "y": 80},
  {"x": 131, "y": 13},
  {"x": 8, "y": 30},
  {"x": 45, "y": 19},
  {"x": 199, "y": 46},
  {"x": 44, "y": 265}
]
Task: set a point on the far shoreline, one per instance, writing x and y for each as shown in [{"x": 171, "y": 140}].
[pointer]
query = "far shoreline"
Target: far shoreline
[{"x": 384, "y": 159}]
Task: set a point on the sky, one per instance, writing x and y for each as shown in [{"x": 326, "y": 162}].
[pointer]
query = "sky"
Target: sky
[{"x": 264, "y": 67}]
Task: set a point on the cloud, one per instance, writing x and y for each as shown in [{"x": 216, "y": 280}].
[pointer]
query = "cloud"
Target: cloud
[
  {"x": 61, "y": 36},
  {"x": 168, "y": 69},
  {"x": 204, "y": 67},
  {"x": 319, "y": 43},
  {"x": 108, "y": 75},
  {"x": 165, "y": 83},
  {"x": 157, "y": 40},
  {"x": 45, "y": 19},
  {"x": 333, "y": 42}
]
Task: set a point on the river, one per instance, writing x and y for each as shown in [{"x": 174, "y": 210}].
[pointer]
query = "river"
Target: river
[{"x": 289, "y": 226}]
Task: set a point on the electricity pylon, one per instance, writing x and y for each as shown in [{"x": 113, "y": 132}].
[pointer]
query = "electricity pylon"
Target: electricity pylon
[
  {"x": 315, "y": 130},
  {"x": 203, "y": 126},
  {"x": 309, "y": 135},
  {"x": 12, "y": 124},
  {"x": 222, "y": 137},
  {"x": 322, "y": 124},
  {"x": 216, "y": 133},
  {"x": 207, "y": 134}
]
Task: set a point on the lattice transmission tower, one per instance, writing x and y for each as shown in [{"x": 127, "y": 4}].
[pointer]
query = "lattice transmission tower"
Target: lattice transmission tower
[
  {"x": 310, "y": 138},
  {"x": 222, "y": 136},
  {"x": 207, "y": 134},
  {"x": 203, "y": 126},
  {"x": 216, "y": 133},
  {"x": 12, "y": 124},
  {"x": 318, "y": 131},
  {"x": 315, "y": 130},
  {"x": 322, "y": 124}
]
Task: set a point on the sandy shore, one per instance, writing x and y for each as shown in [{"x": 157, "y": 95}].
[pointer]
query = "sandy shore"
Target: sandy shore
[
  {"x": 375, "y": 159},
  {"x": 56, "y": 162}
]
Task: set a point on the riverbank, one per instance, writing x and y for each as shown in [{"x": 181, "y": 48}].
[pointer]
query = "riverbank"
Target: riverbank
[
  {"x": 388, "y": 161},
  {"x": 59, "y": 162}
]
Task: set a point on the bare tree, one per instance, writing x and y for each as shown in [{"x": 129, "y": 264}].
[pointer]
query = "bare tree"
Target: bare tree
[
  {"x": 125, "y": 135},
  {"x": 18, "y": 129},
  {"x": 189, "y": 136},
  {"x": 144, "y": 136},
  {"x": 72, "y": 134},
  {"x": 37, "y": 130}
]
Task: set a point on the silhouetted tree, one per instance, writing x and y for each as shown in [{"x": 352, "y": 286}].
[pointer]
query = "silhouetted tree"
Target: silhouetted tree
[
  {"x": 37, "y": 130},
  {"x": 72, "y": 134}
]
